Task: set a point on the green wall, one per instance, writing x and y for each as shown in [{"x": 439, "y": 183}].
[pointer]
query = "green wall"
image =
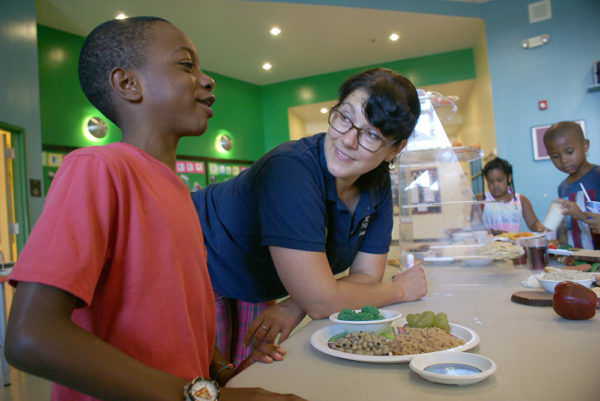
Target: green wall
[
  {"x": 256, "y": 117},
  {"x": 64, "y": 108},
  {"x": 429, "y": 70}
]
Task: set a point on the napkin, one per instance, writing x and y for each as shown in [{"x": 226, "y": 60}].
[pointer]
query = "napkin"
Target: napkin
[{"x": 531, "y": 282}]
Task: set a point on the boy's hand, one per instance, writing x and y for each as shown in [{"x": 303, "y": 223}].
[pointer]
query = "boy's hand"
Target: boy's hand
[
  {"x": 592, "y": 220},
  {"x": 570, "y": 208}
]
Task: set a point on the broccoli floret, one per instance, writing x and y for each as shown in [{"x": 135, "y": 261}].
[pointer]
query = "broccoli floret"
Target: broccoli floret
[
  {"x": 366, "y": 313},
  {"x": 347, "y": 314}
]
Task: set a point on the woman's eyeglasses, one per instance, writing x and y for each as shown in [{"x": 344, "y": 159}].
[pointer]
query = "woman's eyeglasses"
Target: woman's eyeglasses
[{"x": 368, "y": 138}]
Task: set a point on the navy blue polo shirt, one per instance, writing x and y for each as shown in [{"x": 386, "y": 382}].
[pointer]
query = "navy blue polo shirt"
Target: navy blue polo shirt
[{"x": 288, "y": 199}]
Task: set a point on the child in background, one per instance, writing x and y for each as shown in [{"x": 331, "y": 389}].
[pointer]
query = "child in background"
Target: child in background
[
  {"x": 113, "y": 298},
  {"x": 567, "y": 147},
  {"x": 505, "y": 207}
]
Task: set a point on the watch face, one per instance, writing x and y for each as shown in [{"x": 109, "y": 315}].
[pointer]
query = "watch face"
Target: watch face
[{"x": 204, "y": 390}]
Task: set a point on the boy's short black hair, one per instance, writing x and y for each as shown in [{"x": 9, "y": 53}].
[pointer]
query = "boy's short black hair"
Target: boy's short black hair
[
  {"x": 561, "y": 128},
  {"x": 114, "y": 43}
]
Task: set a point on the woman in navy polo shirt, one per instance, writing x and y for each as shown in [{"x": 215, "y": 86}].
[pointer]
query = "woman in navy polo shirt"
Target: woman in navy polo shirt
[{"x": 307, "y": 210}]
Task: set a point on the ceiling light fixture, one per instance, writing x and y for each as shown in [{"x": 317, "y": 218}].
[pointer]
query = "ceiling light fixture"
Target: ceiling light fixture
[
  {"x": 275, "y": 31},
  {"x": 394, "y": 37},
  {"x": 267, "y": 66},
  {"x": 535, "y": 41},
  {"x": 121, "y": 16},
  {"x": 324, "y": 110}
]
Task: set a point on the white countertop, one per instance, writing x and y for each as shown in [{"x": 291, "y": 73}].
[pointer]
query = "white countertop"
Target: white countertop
[{"x": 539, "y": 355}]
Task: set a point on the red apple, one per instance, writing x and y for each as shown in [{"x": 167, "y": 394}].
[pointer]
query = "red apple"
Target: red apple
[{"x": 574, "y": 301}]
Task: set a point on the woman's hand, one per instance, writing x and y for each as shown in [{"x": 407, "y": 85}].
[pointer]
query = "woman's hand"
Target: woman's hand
[
  {"x": 593, "y": 220},
  {"x": 412, "y": 282},
  {"x": 280, "y": 318}
]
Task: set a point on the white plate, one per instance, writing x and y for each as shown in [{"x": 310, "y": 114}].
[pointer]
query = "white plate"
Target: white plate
[
  {"x": 439, "y": 259},
  {"x": 319, "y": 340},
  {"x": 471, "y": 260},
  {"x": 535, "y": 234},
  {"x": 482, "y": 260},
  {"x": 563, "y": 252},
  {"x": 453, "y": 367}
]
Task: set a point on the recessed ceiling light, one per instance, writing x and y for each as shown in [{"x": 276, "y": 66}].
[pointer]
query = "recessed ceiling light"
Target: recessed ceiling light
[
  {"x": 121, "y": 16},
  {"x": 324, "y": 110},
  {"x": 275, "y": 31},
  {"x": 267, "y": 66},
  {"x": 394, "y": 37}
]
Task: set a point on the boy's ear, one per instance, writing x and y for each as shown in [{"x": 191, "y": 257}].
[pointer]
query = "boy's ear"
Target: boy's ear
[
  {"x": 586, "y": 145},
  {"x": 125, "y": 84}
]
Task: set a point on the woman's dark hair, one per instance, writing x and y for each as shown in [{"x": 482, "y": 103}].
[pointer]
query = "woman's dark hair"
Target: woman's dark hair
[
  {"x": 503, "y": 165},
  {"x": 393, "y": 106}
]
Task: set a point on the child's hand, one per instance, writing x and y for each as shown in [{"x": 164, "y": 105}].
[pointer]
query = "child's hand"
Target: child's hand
[
  {"x": 593, "y": 220},
  {"x": 570, "y": 208}
]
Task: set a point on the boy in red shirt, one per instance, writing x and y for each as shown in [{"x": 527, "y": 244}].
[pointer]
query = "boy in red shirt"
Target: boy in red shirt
[{"x": 114, "y": 299}]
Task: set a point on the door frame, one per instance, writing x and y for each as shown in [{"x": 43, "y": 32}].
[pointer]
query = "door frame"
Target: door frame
[{"x": 21, "y": 201}]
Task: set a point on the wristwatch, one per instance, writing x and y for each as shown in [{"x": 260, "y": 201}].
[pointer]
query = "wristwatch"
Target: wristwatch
[{"x": 201, "y": 389}]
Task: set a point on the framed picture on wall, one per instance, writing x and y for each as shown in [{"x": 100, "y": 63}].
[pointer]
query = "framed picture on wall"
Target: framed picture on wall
[{"x": 537, "y": 136}]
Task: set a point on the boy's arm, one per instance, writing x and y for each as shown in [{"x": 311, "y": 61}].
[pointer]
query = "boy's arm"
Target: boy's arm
[{"x": 42, "y": 340}]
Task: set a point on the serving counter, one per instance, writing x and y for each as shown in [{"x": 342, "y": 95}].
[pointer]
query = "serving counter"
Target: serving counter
[{"x": 539, "y": 356}]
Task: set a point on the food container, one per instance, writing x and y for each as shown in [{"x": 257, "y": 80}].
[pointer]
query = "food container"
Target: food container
[
  {"x": 537, "y": 252},
  {"x": 549, "y": 285},
  {"x": 367, "y": 325},
  {"x": 553, "y": 216},
  {"x": 521, "y": 260}
]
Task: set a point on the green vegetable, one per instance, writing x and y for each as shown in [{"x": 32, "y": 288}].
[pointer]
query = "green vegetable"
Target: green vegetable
[
  {"x": 428, "y": 319},
  {"x": 388, "y": 332},
  {"x": 337, "y": 337},
  {"x": 367, "y": 312}
]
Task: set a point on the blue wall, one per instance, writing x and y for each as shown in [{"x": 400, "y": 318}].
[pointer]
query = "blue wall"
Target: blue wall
[{"x": 559, "y": 72}]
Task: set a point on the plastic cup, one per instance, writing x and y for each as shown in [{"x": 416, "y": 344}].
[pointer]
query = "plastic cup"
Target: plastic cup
[
  {"x": 537, "y": 253},
  {"x": 553, "y": 217},
  {"x": 592, "y": 206},
  {"x": 521, "y": 260}
]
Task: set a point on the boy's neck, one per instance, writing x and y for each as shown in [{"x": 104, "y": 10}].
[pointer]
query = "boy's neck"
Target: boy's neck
[
  {"x": 157, "y": 148},
  {"x": 581, "y": 171}
]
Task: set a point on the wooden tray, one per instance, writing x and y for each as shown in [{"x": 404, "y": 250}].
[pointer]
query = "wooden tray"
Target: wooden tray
[{"x": 533, "y": 298}]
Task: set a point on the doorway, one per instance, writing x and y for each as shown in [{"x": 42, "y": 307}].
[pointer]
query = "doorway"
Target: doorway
[{"x": 8, "y": 226}]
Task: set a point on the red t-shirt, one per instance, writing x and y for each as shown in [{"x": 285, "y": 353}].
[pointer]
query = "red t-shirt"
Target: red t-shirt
[{"x": 119, "y": 231}]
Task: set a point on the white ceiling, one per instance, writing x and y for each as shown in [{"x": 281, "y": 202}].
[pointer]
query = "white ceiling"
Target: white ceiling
[{"x": 232, "y": 36}]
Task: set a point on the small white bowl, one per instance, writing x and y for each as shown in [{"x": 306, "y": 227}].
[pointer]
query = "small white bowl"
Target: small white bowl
[
  {"x": 452, "y": 367},
  {"x": 549, "y": 285},
  {"x": 376, "y": 326}
]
